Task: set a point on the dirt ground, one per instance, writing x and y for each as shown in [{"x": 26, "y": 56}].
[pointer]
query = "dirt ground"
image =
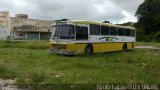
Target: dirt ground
[
  {"x": 8, "y": 84},
  {"x": 146, "y": 47}
]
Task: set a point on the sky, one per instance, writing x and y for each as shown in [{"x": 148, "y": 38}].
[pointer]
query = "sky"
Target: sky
[{"x": 115, "y": 11}]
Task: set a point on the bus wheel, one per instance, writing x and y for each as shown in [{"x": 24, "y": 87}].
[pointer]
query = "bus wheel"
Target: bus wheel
[
  {"x": 88, "y": 50},
  {"x": 124, "y": 47}
]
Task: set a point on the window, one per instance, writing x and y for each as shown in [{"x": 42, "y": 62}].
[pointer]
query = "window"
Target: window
[
  {"x": 127, "y": 32},
  {"x": 21, "y": 34},
  {"x": 81, "y": 33},
  {"x": 67, "y": 32},
  {"x": 94, "y": 29},
  {"x": 113, "y": 31},
  {"x": 104, "y": 30},
  {"x": 121, "y": 31},
  {"x": 132, "y": 33},
  {"x": 64, "y": 31},
  {"x": 57, "y": 30},
  {"x": 72, "y": 33}
]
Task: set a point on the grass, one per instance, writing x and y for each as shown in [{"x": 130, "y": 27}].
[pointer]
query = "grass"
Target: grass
[
  {"x": 5, "y": 73},
  {"x": 30, "y": 63},
  {"x": 25, "y": 44}
]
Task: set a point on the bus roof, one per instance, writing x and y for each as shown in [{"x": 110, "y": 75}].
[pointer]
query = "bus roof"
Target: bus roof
[{"x": 99, "y": 23}]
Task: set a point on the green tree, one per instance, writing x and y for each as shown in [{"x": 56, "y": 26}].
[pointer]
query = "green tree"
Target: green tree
[{"x": 148, "y": 15}]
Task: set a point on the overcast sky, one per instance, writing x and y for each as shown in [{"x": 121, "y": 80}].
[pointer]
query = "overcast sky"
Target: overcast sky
[{"x": 116, "y": 11}]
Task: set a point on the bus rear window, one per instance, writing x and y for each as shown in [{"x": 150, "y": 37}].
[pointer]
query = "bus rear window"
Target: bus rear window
[{"x": 132, "y": 33}]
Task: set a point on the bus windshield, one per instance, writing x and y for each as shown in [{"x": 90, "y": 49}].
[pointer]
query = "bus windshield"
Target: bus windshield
[{"x": 63, "y": 32}]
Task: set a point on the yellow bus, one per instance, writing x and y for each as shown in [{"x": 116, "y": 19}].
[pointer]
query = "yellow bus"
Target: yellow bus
[{"x": 87, "y": 37}]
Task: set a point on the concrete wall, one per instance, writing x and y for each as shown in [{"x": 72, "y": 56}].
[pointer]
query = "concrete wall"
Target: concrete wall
[
  {"x": 40, "y": 25},
  {"x": 4, "y": 25}
]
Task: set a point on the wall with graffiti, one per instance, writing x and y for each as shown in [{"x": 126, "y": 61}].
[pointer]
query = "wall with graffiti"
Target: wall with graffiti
[{"x": 4, "y": 25}]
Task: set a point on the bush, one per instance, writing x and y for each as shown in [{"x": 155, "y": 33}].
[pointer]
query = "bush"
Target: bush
[
  {"x": 140, "y": 34},
  {"x": 156, "y": 36}
]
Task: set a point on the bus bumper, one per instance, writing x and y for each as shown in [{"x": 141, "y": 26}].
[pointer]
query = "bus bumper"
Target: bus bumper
[{"x": 62, "y": 52}]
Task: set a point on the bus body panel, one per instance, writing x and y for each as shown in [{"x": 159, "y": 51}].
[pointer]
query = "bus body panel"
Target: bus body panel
[
  {"x": 97, "y": 47},
  {"x": 107, "y": 47},
  {"x": 104, "y": 39}
]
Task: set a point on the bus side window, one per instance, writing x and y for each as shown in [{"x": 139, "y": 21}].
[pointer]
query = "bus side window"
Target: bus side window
[
  {"x": 94, "y": 29},
  {"x": 71, "y": 32},
  {"x": 81, "y": 33},
  {"x": 104, "y": 30},
  {"x": 113, "y": 31},
  {"x": 120, "y": 31},
  {"x": 127, "y": 32}
]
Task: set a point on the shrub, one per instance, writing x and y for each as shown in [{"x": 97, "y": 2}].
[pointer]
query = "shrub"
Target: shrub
[{"x": 156, "y": 36}]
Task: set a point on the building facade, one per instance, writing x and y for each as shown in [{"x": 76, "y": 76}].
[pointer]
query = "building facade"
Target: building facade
[{"x": 23, "y": 28}]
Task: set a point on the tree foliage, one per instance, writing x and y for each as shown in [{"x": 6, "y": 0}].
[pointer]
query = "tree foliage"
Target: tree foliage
[{"x": 148, "y": 15}]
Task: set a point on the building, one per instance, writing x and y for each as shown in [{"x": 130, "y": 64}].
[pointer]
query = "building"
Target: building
[
  {"x": 4, "y": 25},
  {"x": 23, "y": 28}
]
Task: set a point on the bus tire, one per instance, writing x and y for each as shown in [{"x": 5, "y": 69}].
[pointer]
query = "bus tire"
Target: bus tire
[
  {"x": 124, "y": 49},
  {"x": 88, "y": 50}
]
